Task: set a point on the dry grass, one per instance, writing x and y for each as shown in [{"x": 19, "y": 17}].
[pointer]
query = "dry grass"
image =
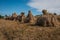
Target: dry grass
[{"x": 11, "y": 30}]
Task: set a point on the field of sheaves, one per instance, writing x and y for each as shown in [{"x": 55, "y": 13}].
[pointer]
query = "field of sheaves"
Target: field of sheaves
[{"x": 11, "y": 30}]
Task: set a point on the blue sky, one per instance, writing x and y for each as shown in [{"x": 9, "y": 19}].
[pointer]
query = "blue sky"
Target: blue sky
[
  {"x": 36, "y": 6},
  {"x": 10, "y": 6}
]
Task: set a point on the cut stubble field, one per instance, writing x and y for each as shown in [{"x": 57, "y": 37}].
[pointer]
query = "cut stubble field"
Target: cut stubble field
[{"x": 12, "y": 30}]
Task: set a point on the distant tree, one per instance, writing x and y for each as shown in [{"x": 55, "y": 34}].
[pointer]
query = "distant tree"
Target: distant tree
[
  {"x": 55, "y": 13},
  {"x": 1, "y": 16},
  {"x": 6, "y": 16}
]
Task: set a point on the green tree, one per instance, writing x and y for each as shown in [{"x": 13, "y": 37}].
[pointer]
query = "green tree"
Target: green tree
[{"x": 1, "y": 16}]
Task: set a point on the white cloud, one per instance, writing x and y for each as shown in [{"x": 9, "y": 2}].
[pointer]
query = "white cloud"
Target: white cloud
[{"x": 50, "y": 5}]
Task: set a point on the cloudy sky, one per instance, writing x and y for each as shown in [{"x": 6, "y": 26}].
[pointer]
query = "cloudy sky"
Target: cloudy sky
[
  {"x": 50, "y": 5},
  {"x": 36, "y": 6}
]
